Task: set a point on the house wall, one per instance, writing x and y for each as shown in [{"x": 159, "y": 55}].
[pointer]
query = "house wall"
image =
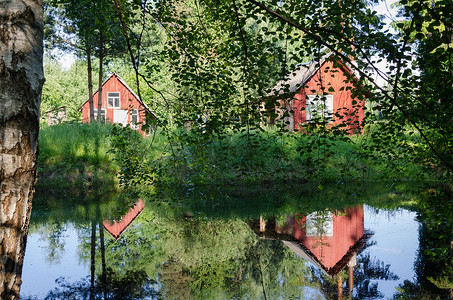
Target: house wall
[
  {"x": 114, "y": 85},
  {"x": 348, "y": 228},
  {"x": 328, "y": 76}
]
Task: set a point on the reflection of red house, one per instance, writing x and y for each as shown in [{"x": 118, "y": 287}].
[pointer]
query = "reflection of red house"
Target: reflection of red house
[
  {"x": 119, "y": 104},
  {"x": 331, "y": 238},
  {"x": 328, "y": 240},
  {"x": 320, "y": 88},
  {"x": 117, "y": 228}
]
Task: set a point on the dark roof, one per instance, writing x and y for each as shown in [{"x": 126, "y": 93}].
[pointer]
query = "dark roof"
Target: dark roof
[{"x": 292, "y": 82}]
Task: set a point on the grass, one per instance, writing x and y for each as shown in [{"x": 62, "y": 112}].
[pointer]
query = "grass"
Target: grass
[
  {"x": 75, "y": 154},
  {"x": 268, "y": 156},
  {"x": 81, "y": 154}
]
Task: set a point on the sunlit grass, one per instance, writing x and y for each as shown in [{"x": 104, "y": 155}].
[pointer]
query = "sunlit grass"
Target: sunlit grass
[
  {"x": 63, "y": 144},
  {"x": 182, "y": 157},
  {"x": 75, "y": 152}
]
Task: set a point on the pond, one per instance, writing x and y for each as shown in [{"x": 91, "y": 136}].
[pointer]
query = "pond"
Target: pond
[{"x": 235, "y": 243}]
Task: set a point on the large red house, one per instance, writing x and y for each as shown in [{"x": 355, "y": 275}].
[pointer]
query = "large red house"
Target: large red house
[
  {"x": 119, "y": 104},
  {"x": 321, "y": 89},
  {"x": 329, "y": 240}
]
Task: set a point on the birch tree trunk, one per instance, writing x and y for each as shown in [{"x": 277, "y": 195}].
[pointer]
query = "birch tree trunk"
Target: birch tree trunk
[{"x": 21, "y": 79}]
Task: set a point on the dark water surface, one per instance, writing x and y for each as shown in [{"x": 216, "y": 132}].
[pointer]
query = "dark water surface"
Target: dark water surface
[{"x": 238, "y": 244}]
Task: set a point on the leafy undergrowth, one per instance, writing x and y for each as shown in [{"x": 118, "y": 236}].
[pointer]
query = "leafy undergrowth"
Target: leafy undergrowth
[
  {"x": 96, "y": 154},
  {"x": 271, "y": 157}
]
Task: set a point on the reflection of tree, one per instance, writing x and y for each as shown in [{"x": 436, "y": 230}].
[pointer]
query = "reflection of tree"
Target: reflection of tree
[
  {"x": 274, "y": 269},
  {"x": 224, "y": 259},
  {"x": 175, "y": 281},
  {"x": 53, "y": 234},
  {"x": 368, "y": 269},
  {"x": 117, "y": 277},
  {"x": 434, "y": 263},
  {"x": 134, "y": 285}
]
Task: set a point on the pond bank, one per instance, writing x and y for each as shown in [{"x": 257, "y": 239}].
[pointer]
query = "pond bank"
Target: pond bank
[{"x": 83, "y": 154}]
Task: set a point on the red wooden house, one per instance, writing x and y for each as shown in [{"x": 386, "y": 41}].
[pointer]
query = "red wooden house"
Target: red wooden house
[
  {"x": 119, "y": 104},
  {"x": 321, "y": 90},
  {"x": 328, "y": 240}
]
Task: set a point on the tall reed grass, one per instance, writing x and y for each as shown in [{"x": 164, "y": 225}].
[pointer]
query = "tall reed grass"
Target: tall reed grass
[
  {"x": 269, "y": 156},
  {"x": 75, "y": 152}
]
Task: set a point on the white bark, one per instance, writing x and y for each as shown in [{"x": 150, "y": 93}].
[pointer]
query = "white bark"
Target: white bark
[{"x": 21, "y": 79}]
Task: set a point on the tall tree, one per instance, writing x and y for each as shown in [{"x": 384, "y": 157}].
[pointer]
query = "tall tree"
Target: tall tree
[
  {"x": 21, "y": 80},
  {"x": 110, "y": 41},
  {"x": 90, "y": 28},
  {"x": 75, "y": 32}
]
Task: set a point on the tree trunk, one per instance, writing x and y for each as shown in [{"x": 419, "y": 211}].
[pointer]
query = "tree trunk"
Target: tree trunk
[
  {"x": 101, "y": 61},
  {"x": 21, "y": 80},
  {"x": 104, "y": 265},
  {"x": 93, "y": 258},
  {"x": 90, "y": 84}
]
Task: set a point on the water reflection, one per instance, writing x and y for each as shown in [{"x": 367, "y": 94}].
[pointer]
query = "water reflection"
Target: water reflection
[
  {"x": 116, "y": 228},
  {"x": 329, "y": 240},
  {"x": 168, "y": 250}
]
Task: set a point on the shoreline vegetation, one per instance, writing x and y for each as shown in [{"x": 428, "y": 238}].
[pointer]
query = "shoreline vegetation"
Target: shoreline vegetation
[
  {"x": 83, "y": 155},
  {"x": 85, "y": 172}
]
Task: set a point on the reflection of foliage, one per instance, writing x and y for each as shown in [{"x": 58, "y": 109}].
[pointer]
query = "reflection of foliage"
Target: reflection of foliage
[
  {"x": 274, "y": 269},
  {"x": 207, "y": 250},
  {"x": 175, "y": 281},
  {"x": 368, "y": 269},
  {"x": 374, "y": 269},
  {"x": 134, "y": 285},
  {"x": 271, "y": 200},
  {"x": 433, "y": 267},
  {"x": 445, "y": 281},
  {"x": 414, "y": 291},
  {"x": 53, "y": 235},
  {"x": 223, "y": 259}
]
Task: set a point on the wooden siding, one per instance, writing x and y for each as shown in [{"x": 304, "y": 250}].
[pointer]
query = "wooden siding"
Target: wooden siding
[
  {"x": 128, "y": 101},
  {"x": 348, "y": 228},
  {"x": 325, "y": 78}
]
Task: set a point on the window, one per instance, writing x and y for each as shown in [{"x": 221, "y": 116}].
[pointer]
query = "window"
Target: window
[
  {"x": 319, "y": 107},
  {"x": 113, "y": 100},
  {"x": 319, "y": 224},
  {"x": 102, "y": 114},
  {"x": 134, "y": 119}
]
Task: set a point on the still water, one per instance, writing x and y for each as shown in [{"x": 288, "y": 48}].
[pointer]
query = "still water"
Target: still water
[{"x": 230, "y": 245}]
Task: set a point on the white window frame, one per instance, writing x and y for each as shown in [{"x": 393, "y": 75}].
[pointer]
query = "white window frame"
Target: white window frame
[
  {"x": 134, "y": 113},
  {"x": 319, "y": 224},
  {"x": 102, "y": 113},
  {"x": 113, "y": 100},
  {"x": 323, "y": 104}
]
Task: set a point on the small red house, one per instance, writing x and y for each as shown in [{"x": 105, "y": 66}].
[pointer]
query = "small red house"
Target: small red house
[
  {"x": 321, "y": 90},
  {"x": 116, "y": 228},
  {"x": 119, "y": 104}
]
